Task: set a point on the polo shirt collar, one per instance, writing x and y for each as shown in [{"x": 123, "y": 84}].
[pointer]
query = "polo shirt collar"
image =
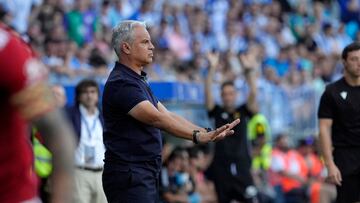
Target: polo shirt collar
[{"x": 130, "y": 72}]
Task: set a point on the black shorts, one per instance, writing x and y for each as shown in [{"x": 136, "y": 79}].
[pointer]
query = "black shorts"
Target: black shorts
[
  {"x": 348, "y": 162},
  {"x": 349, "y": 191}
]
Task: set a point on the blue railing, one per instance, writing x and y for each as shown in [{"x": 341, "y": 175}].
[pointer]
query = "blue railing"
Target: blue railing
[{"x": 292, "y": 111}]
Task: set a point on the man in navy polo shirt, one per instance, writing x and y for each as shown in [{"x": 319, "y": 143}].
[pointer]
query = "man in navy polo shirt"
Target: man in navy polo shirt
[{"x": 133, "y": 118}]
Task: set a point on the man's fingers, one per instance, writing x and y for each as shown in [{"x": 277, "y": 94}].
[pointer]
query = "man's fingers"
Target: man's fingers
[
  {"x": 221, "y": 129},
  {"x": 230, "y": 132},
  {"x": 224, "y": 131},
  {"x": 335, "y": 179},
  {"x": 338, "y": 179},
  {"x": 234, "y": 123},
  {"x": 218, "y": 137},
  {"x": 222, "y": 135}
]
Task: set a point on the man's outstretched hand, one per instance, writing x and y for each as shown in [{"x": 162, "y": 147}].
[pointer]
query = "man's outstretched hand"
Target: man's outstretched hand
[{"x": 219, "y": 133}]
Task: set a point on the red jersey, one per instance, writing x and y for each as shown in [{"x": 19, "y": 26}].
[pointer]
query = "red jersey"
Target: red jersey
[{"x": 23, "y": 96}]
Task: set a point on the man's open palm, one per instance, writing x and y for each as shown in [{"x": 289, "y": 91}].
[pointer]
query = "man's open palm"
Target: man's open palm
[{"x": 219, "y": 133}]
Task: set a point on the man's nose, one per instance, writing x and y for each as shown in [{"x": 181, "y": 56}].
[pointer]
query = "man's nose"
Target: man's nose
[{"x": 152, "y": 47}]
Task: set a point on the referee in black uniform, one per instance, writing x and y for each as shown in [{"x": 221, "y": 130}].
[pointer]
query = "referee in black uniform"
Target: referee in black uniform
[
  {"x": 339, "y": 122},
  {"x": 133, "y": 118}
]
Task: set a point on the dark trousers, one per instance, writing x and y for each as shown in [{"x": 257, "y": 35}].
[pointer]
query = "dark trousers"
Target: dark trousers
[
  {"x": 230, "y": 187},
  {"x": 125, "y": 183}
]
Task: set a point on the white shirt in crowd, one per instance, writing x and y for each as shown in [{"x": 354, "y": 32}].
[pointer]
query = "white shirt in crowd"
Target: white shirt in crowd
[{"x": 90, "y": 151}]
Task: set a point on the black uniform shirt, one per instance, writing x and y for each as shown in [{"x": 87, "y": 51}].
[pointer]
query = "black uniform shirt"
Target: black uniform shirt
[
  {"x": 235, "y": 147},
  {"x": 341, "y": 103}
]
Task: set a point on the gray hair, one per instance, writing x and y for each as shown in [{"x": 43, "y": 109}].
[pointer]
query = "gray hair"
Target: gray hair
[{"x": 123, "y": 32}]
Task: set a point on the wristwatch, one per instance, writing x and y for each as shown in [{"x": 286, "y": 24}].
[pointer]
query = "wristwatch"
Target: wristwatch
[{"x": 195, "y": 136}]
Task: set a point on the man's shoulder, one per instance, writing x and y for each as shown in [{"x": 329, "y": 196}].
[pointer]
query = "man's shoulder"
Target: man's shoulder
[
  {"x": 120, "y": 82},
  {"x": 335, "y": 85},
  {"x": 117, "y": 77},
  {"x": 241, "y": 107},
  {"x": 217, "y": 108}
]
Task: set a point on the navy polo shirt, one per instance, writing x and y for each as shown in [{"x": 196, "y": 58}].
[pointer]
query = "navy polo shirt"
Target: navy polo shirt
[{"x": 127, "y": 139}]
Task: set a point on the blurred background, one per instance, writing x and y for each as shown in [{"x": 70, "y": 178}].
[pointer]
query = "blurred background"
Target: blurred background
[{"x": 297, "y": 45}]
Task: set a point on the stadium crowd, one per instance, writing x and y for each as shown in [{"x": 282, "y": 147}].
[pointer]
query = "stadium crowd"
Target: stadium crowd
[{"x": 296, "y": 45}]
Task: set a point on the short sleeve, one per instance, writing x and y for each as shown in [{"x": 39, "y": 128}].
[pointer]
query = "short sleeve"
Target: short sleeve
[
  {"x": 326, "y": 106},
  {"x": 23, "y": 77},
  {"x": 128, "y": 95},
  {"x": 13, "y": 58}
]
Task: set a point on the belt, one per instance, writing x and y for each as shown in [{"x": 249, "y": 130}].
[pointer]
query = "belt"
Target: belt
[{"x": 90, "y": 169}]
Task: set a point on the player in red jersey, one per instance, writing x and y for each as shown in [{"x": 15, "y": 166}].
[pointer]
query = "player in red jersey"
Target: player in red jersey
[{"x": 25, "y": 97}]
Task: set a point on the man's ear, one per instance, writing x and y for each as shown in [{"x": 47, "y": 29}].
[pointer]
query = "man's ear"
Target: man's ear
[
  {"x": 343, "y": 62},
  {"x": 125, "y": 47}
]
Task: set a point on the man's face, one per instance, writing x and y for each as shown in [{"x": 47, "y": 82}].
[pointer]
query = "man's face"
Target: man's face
[
  {"x": 352, "y": 64},
  {"x": 142, "y": 48},
  {"x": 283, "y": 143},
  {"x": 228, "y": 96},
  {"x": 89, "y": 97}
]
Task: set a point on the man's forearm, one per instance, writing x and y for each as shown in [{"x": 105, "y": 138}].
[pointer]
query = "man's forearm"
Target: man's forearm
[
  {"x": 209, "y": 101},
  {"x": 59, "y": 138},
  {"x": 167, "y": 123},
  {"x": 252, "y": 101},
  {"x": 326, "y": 144},
  {"x": 187, "y": 123}
]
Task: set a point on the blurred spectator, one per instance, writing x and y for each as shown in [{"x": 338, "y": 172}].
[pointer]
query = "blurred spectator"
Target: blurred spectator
[
  {"x": 203, "y": 186},
  {"x": 22, "y": 11},
  {"x": 289, "y": 172},
  {"x": 319, "y": 190},
  {"x": 176, "y": 184},
  {"x": 163, "y": 67},
  {"x": 50, "y": 15},
  {"x": 5, "y": 16},
  {"x": 349, "y": 10},
  {"x": 82, "y": 22},
  {"x": 178, "y": 43},
  {"x": 79, "y": 62},
  {"x": 277, "y": 167},
  {"x": 56, "y": 61},
  {"x": 88, "y": 124},
  {"x": 326, "y": 41}
]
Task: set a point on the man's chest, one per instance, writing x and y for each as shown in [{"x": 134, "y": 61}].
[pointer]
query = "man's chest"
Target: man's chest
[
  {"x": 223, "y": 117},
  {"x": 347, "y": 103}
]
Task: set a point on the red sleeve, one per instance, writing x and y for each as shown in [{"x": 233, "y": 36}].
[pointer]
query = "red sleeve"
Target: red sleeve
[
  {"x": 13, "y": 55},
  {"x": 22, "y": 76}
]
